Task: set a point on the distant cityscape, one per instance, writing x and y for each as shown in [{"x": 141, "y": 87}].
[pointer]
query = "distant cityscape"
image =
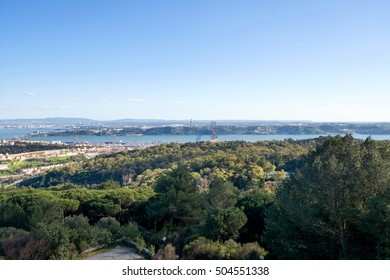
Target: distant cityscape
[{"x": 131, "y": 127}]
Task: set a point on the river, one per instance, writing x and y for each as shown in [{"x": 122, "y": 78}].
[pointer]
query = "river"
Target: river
[{"x": 148, "y": 139}]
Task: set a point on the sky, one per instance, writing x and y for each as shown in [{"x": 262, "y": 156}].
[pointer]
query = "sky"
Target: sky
[{"x": 202, "y": 60}]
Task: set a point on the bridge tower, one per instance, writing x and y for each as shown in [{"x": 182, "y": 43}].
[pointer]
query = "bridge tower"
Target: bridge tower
[{"x": 213, "y": 130}]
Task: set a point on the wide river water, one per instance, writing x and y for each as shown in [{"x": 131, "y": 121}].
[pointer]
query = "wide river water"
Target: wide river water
[{"x": 148, "y": 139}]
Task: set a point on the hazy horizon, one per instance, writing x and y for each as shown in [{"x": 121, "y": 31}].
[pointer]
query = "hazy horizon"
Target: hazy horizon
[
  {"x": 321, "y": 61},
  {"x": 193, "y": 120}
]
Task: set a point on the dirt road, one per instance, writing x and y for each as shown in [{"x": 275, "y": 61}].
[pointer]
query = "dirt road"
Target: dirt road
[{"x": 117, "y": 253}]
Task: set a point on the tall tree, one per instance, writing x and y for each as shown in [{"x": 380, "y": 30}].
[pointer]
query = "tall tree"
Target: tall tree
[
  {"x": 178, "y": 200},
  {"x": 321, "y": 210}
]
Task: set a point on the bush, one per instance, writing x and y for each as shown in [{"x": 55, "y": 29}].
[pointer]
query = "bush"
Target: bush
[
  {"x": 205, "y": 249},
  {"x": 130, "y": 232},
  {"x": 24, "y": 246},
  {"x": 168, "y": 252},
  {"x": 110, "y": 224},
  {"x": 57, "y": 237}
]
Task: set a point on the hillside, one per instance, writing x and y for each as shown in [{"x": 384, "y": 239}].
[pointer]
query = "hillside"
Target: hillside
[{"x": 326, "y": 198}]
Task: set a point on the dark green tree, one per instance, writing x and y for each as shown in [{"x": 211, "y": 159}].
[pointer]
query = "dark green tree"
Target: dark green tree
[
  {"x": 254, "y": 202},
  {"x": 221, "y": 195},
  {"x": 177, "y": 201},
  {"x": 224, "y": 224},
  {"x": 110, "y": 224},
  {"x": 57, "y": 240},
  {"x": 323, "y": 211},
  {"x": 44, "y": 211},
  {"x": 12, "y": 215}
]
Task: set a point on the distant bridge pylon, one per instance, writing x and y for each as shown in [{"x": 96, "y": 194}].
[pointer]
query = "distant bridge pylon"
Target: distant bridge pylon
[{"x": 213, "y": 130}]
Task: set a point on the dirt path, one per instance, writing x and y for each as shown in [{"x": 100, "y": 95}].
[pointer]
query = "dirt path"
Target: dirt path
[{"x": 117, "y": 253}]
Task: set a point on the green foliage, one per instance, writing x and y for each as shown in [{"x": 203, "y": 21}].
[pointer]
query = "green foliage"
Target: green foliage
[
  {"x": 221, "y": 195},
  {"x": 254, "y": 202},
  {"x": 334, "y": 202},
  {"x": 332, "y": 206},
  {"x": 177, "y": 200},
  {"x": 57, "y": 239},
  {"x": 141, "y": 244},
  {"x": 12, "y": 215},
  {"x": 81, "y": 234},
  {"x": 168, "y": 252},
  {"x": 184, "y": 190},
  {"x": 205, "y": 249},
  {"x": 23, "y": 246},
  {"x": 110, "y": 184},
  {"x": 130, "y": 231},
  {"x": 44, "y": 211},
  {"x": 110, "y": 224},
  {"x": 225, "y": 224},
  {"x": 100, "y": 207},
  {"x": 77, "y": 222},
  {"x": 8, "y": 232},
  {"x": 249, "y": 251},
  {"x": 239, "y": 162}
]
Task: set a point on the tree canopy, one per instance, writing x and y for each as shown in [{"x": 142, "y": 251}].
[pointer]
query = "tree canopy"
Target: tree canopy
[
  {"x": 327, "y": 198},
  {"x": 335, "y": 205}
]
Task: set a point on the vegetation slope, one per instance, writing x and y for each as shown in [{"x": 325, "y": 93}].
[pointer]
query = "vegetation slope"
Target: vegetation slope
[{"x": 326, "y": 198}]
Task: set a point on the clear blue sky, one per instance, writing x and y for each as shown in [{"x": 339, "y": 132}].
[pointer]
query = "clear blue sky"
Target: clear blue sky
[{"x": 202, "y": 59}]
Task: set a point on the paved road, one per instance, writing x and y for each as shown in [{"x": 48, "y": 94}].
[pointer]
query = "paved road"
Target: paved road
[{"x": 117, "y": 253}]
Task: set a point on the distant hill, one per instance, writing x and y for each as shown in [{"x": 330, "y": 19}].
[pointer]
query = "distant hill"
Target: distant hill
[
  {"x": 179, "y": 127},
  {"x": 47, "y": 121},
  {"x": 138, "y": 122},
  {"x": 86, "y": 121}
]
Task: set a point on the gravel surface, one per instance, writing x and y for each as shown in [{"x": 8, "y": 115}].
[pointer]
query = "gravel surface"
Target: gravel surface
[{"x": 117, "y": 253}]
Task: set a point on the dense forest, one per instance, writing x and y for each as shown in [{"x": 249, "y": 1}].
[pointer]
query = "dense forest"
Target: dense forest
[
  {"x": 326, "y": 198},
  {"x": 242, "y": 163}
]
